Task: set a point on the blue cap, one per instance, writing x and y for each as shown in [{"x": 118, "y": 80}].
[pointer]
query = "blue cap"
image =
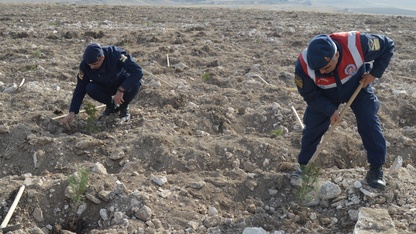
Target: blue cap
[
  {"x": 320, "y": 51},
  {"x": 92, "y": 53}
]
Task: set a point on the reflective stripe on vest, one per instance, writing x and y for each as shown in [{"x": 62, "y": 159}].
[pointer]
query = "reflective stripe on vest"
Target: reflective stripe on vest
[{"x": 352, "y": 60}]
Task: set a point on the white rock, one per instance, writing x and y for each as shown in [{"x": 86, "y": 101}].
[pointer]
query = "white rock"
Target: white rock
[
  {"x": 191, "y": 104},
  {"x": 81, "y": 208},
  {"x": 116, "y": 155},
  {"x": 254, "y": 230},
  {"x": 154, "y": 83},
  {"x": 296, "y": 181},
  {"x": 99, "y": 169},
  {"x": 159, "y": 180},
  {"x": 103, "y": 214},
  {"x": 372, "y": 220},
  {"x": 10, "y": 88},
  {"x": 275, "y": 106},
  {"x": 357, "y": 184},
  {"x": 368, "y": 193},
  {"x": 273, "y": 192},
  {"x": 38, "y": 215},
  {"x": 118, "y": 217},
  {"x": 144, "y": 213},
  {"x": 197, "y": 184},
  {"x": 329, "y": 190},
  {"x": 355, "y": 199},
  {"x": 165, "y": 193},
  {"x": 266, "y": 162},
  {"x": 353, "y": 214},
  {"x": 212, "y": 211},
  {"x": 4, "y": 129},
  {"x": 398, "y": 92},
  {"x": 406, "y": 140},
  {"x": 230, "y": 110},
  {"x": 201, "y": 133},
  {"x": 192, "y": 224},
  {"x": 120, "y": 187},
  {"x": 397, "y": 164},
  {"x": 338, "y": 180},
  {"x": 93, "y": 198}
]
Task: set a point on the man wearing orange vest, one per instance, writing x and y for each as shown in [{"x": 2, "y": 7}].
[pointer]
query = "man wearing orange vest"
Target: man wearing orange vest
[{"x": 326, "y": 74}]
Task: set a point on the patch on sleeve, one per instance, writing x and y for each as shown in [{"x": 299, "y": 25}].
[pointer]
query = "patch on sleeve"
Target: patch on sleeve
[
  {"x": 123, "y": 58},
  {"x": 80, "y": 75},
  {"x": 298, "y": 80},
  {"x": 374, "y": 44}
]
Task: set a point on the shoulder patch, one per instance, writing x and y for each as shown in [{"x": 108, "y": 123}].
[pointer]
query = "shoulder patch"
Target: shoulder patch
[
  {"x": 80, "y": 75},
  {"x": 123, "y": 58},
  {"x": 374, "y": 44},
  {"x": 298, "y": 80}
]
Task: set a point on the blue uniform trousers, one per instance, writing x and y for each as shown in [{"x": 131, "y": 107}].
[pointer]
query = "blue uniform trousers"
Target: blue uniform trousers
[
  {"x": 365, "y": 108},
  {"x": 104, "y": 94}
]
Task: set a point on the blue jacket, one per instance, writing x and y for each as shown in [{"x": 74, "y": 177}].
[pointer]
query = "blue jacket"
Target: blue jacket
[
  {"x": 339, "y": 86},
  {"x": 117, "y": 65}
]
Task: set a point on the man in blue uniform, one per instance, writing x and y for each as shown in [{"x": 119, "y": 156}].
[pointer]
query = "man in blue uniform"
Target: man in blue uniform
[
  {"x": 108, "y": 75},
  {"x": 326, "y": 74}
]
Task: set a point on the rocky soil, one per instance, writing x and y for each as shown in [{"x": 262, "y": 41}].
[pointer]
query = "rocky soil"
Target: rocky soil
[{"x": 212, "y": 138}]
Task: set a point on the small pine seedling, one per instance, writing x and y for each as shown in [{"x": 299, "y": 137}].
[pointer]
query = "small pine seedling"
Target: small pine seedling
[
  {"x": 310, "y": 177},
  {"x": 78, "y": 183},
  {"x": 91, "y": 111},
  {"x": 37, "y": 53},
  {"x": 277, "y": 132},
  {"x": 206, "y": 76}
]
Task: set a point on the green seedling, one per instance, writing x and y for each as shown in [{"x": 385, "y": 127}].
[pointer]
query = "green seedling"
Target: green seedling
[
  {"x": 78, "y": 183},
  {"x": 91, "y": 111},
  {"x": 277, "y": 132},
  {"x": 206, "y": 76},
  {"x": 37, "y": 53},
  {"x": 28, "y": 68},
  {"x": 310, "y": 177}
]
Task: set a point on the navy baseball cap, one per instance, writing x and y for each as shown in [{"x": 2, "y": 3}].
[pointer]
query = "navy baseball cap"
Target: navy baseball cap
[
  {"x": 320, "y": 51},
  {"x": 92, "y": 53}
]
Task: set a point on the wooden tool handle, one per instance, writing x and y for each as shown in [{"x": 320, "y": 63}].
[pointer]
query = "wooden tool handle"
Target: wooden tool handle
[
  {"x": 13, "y": 207},
  {"x": 81, "y": 111}
]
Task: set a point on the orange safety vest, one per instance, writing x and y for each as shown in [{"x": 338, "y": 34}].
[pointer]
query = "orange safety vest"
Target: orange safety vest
[{"x": 352, "y": 60}]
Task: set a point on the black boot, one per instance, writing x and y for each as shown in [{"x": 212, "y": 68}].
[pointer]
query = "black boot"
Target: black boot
[
  {"x": 124, "y": 113},
  {"x": 375, "y": 178},
  {"x": 296, "y": 178},
  {"x": 110, "y": 108}
]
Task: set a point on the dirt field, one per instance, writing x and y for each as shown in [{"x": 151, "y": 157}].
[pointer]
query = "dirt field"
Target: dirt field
[{"x": 212, "y": 137}]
